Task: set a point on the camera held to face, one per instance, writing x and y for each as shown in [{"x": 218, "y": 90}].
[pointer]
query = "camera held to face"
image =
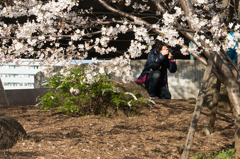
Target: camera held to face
[{"x": 171, "y": 51}]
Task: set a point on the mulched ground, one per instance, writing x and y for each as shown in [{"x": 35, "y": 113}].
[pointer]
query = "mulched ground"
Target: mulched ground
[{"x": 155, "y": 133}]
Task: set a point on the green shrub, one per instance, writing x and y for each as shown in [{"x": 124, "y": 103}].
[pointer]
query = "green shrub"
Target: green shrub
[
  {"x": 72, "y": 94},
  {"x": 224, "y": 154}
]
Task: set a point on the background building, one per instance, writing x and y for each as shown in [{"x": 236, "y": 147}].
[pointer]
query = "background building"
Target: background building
[
  {"x": 22, "y": 77},
  {"x": 19, "y": 77}
]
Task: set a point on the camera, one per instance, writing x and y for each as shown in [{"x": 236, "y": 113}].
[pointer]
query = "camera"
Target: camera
[{"x": 171, "y": 51}]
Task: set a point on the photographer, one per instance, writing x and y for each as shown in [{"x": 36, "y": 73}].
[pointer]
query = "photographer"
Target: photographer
[{"x": 154, "y": 73}]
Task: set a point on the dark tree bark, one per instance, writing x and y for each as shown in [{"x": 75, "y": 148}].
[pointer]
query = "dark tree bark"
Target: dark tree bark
[
  {"x": 238, "y": 66},
  {"x": 214, "y": 106},
  {"x": 223, "y": 14},
  {"x": 198, "y": 107},
  {"x": 230, "y": 12},
  {"x": 232, "y": 88},
  {"x": 237, "y": 138}
]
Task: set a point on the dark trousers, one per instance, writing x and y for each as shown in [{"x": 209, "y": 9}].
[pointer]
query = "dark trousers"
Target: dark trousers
[{"x": 155, "y": 87}]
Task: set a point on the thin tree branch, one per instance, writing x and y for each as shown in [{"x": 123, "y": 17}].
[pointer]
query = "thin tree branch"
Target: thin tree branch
[
  {"x": 48, "y": 36},
  {"x": 186, "y": 30},
  {"x": 90, "y": 24},
  {"x": 188, "y": 9},
  {"x": 135, "y": 18},
  {"x": 159, "y": 6}
]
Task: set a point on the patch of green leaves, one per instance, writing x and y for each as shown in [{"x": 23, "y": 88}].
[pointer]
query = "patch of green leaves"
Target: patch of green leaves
[{"x": 223, "y": 154}]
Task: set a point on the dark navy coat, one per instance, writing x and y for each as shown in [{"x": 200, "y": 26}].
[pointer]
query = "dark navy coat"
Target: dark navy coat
[{"x": 159, "y": 62}]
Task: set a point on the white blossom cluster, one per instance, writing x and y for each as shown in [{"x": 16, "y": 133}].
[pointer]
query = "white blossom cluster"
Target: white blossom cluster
[
  {"x": 74, "y": 91},
  {"x": 141, "y": 7},
  {"x": 57, "y": 20}
]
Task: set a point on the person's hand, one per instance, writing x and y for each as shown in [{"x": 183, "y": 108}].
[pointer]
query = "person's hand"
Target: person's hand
[
  {"x": 164, "y": 51},
  {"x": 170, "y": 56}
]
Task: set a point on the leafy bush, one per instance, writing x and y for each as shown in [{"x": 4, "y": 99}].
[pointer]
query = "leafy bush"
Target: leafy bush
[
  {"x": 224, "y": 154},
  {"x": 72, "y": 93}
]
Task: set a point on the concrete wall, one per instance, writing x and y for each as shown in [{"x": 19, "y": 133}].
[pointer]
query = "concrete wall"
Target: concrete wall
[{"x": 23, "y": 96}]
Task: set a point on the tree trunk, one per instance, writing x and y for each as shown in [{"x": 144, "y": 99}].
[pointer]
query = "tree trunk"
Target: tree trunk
[
  {"x": 237, "y": 122},
  {"x": 237, "y": 130},
  {"x": 236, "y": 5},
  {"x": 232, "y": 88},
  {"x": 237, "y": 138},
  {"x": 238, "y": 67},
  {"x": 198, "y": 106},
  {"x": 238, "y": 9},
  {"x": 230, "y": 12},
  {"x": 223, "y": 15},
  {"x": 214, "y": 106}
]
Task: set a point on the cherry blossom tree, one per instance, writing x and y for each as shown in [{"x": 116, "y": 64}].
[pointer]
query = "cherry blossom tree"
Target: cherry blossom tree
[{"x": 59, "y": 31}]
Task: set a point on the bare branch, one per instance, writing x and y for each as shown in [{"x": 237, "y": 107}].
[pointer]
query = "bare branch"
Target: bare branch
[
  {"x": 48, "y": 36},
  {"x": 90, "y": 24},
  {"x": 135, "y": 18},
  {"x": 187, "y": 30},
  {"x": 188, "y": 9},
  {"x": 174, "y": 5},
  {"x": 159, "y": 6}
]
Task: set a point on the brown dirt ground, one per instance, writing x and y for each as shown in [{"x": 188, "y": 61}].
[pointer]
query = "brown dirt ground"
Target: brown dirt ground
[{"x": 155, "y": 133}]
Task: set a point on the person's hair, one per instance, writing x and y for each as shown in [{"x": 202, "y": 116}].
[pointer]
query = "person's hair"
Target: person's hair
[{"x": 159, "y": 45}]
